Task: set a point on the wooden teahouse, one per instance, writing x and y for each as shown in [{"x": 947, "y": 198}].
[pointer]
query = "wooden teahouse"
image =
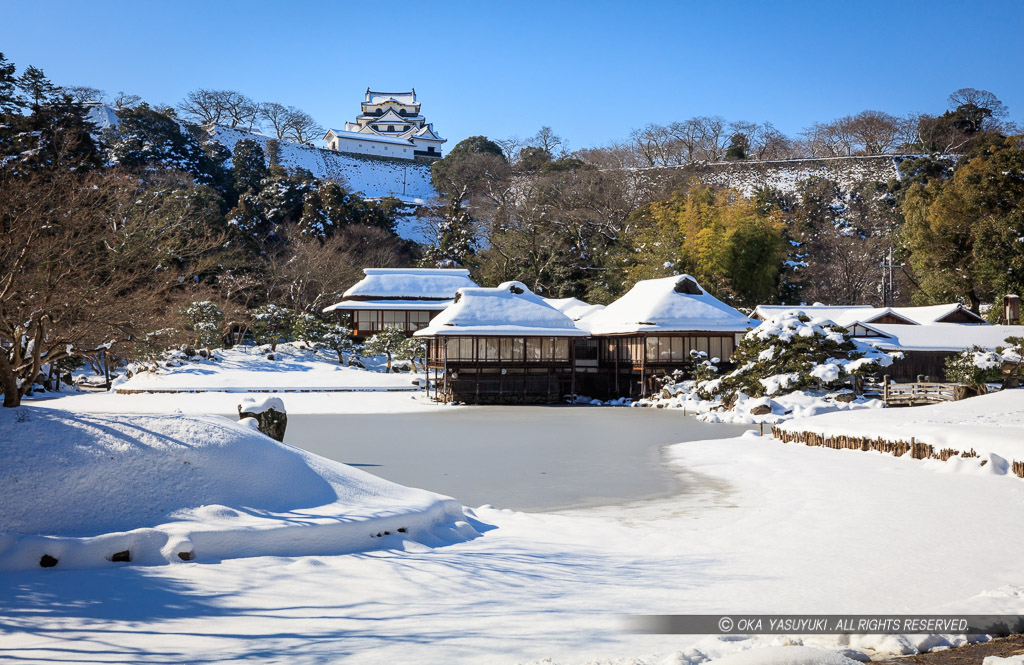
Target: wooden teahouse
[
  {"x": 651, "y": 331},
  {"x": 501, "y": 345},
  {"x": 406, "y": 298}
]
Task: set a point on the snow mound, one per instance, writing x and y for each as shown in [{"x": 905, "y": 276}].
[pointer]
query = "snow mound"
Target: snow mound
[
  {"x": 788, "y": 655},
  {"x": 82, "y": 488}
]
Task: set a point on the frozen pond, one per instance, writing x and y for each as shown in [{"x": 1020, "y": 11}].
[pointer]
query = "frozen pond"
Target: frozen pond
[{"x": 522, "y": 457}]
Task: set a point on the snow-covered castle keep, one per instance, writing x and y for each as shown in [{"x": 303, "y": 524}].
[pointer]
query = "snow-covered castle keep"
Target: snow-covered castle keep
[{"x": 390, "y": 125}]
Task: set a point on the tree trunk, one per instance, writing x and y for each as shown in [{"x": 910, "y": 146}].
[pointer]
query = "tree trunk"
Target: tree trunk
[{"x": 9, "y": 383}]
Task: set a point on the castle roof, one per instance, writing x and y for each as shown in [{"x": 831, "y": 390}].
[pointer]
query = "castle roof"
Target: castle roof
[{"x": 376, "y": 97}]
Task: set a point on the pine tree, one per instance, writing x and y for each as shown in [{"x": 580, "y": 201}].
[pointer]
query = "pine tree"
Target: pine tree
[
  {"x": 387, "y": 342},
  {"x": 35, "y": 84},
  {"x": 249, "y": 166},
  {"x": 790, "y": 352},
  {"x": 271, "y": 324},
  {"x": 203, "y": 320},
  {"x": 10, "y": 101}
]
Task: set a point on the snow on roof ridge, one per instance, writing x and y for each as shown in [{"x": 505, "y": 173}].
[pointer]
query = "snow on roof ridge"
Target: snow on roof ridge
[
  {"x": 509, "y": 309},
  {"x": 416, "y": 271},
  {"x": 413, "y": 283},
  {"x": 669, "y": 304}
]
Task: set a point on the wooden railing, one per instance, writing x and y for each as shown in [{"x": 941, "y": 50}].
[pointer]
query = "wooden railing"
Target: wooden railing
[{"x": 911, "y": 394}]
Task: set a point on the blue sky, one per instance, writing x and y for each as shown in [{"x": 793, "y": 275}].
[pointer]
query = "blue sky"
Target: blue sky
[{"x": 591, "y": 70}]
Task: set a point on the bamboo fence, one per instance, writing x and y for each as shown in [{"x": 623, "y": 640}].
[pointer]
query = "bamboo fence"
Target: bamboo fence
[{"x": 917, "y": 449}]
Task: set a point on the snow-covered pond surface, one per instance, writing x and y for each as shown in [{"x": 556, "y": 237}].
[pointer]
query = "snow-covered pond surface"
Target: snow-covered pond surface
[{"x": 531, "y": 458}]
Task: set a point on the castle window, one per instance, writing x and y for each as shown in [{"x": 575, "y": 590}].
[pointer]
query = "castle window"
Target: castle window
[{"x": 391, "y": 128}]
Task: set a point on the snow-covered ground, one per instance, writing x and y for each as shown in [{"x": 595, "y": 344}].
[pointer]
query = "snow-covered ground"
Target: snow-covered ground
[
  {"x": 989, "y": 424},
  {"x": 158, "y": 489},
  {"x": 776, "y": 528},
  {"x": 374, "y": 177},
  {"x": 248, "y": 369}
]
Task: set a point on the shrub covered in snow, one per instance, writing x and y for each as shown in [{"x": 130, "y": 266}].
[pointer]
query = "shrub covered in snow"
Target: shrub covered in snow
[
  {"x": 789, "y": 352},
  {"x": 271, "y": 324},
  {"x": 203, "y": 321},
  {"x": 977, "y": 366},
  {"x": 388, "y": 342}
]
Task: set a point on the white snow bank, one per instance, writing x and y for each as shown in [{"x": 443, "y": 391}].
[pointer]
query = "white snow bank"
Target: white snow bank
[
  {"x": 989, "y": 424},
  {"x": 247, "y": 369},
  {"x": 797, "y": 404},
  {"x": 226, "y": 403},
  {"x": 80, "y": 488},
  {"x": 787, "y": 655}
]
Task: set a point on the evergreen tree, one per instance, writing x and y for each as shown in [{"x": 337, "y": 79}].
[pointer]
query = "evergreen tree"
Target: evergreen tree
[
  {"x": 203, "y": 320},
  {"x": 790, "y": 352},
  {"x": 271, "y": 324},
  {"x": 249, "y": 166},
  {"x": 35, "y": 84},
  {"x": 964, "y": 233},
  {"x": 10, "y": 101},
  {"x": 455, "y": 240},
  {"x": 387, "y": 342},
  {"x": 146, "y": 139}
]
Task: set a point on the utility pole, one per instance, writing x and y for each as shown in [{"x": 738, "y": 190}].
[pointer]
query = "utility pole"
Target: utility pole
[{"x": 888, "y": 287}]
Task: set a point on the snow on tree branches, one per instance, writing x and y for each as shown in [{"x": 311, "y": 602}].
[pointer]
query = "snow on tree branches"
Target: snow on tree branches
[{"x": 791, "y": 351}]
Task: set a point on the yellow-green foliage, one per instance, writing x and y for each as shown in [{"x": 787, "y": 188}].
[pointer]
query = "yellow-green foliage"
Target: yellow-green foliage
[{"x": 733, "y": 247}]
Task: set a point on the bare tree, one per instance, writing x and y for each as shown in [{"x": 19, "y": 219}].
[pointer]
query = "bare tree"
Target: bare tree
[
  {"x": 123, "y": 100},
  {"x": 220, "y": 107},
  {"x": 546, "y": 139},
  {"x": 301, "y": 128},
  {"x": 81, "y": 271},
  {"x": 873, "y": 132},
  {"x": 276, "y": 115},
  {"x": 83, "y": 93},
  {"x": 511, "y": 147},
  {"x": 982, "y": 99}
]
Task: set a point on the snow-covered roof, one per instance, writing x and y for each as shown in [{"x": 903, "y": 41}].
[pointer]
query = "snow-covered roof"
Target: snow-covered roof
[
  {"x": 410, "y": 284},
  {"x": 670, "y": 304},
  {"x": 390, "y": 305},
  {"x": 932, "y": 313},
  {"x": 366, "y": 136},
  {"x": 846, "y": 315},
  {"x": 574, "y": 308},
  {"x": 510, "y": 310},
  {"x": 941, "y": 336},
  {"x": 377, "y": 97}
]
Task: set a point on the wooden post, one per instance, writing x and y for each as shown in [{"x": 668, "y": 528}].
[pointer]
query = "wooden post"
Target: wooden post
[{"x": 572, "y": 366}]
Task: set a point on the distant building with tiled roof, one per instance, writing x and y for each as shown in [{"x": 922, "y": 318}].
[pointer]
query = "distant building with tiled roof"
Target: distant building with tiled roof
[{"x": 389, "y": 125}]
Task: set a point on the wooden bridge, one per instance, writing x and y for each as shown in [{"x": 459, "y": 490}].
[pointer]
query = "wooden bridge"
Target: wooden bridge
[{"x": 916, "y": 394}]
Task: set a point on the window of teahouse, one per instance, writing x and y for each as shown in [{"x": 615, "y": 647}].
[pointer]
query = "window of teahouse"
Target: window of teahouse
[
  {"x": 367, "y": 320},
  {"x": 418, "y": 320},
  {"x": 534, "y": 351},
  {"x": 393, "y": 319},
  {"x": 490, "y": 349}
]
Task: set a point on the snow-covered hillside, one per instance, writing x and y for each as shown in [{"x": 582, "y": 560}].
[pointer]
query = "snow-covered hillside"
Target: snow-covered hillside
[{"x": 373, "y": 176}]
